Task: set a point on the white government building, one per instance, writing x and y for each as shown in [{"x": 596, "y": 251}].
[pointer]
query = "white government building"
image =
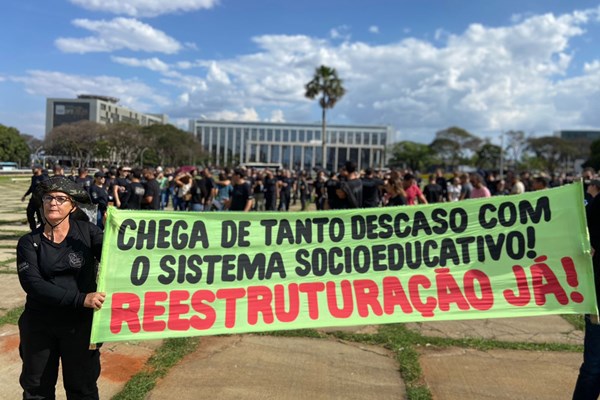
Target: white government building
[{"x": 294, "y": 146}]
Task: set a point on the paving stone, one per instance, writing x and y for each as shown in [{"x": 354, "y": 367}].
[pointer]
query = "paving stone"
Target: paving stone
[
  {"x": 544, "y": 329},
  {"x": 499, "y": 374},
  {"x": 7, "y": 254},
  {"x": 13, "y": 295}
]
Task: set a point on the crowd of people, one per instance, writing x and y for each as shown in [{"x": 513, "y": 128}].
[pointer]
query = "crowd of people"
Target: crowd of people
[{"x": 239, "y": 189}]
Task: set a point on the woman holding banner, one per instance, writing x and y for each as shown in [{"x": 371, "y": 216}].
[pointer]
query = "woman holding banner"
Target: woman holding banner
[{"x": 57, "y": 266}]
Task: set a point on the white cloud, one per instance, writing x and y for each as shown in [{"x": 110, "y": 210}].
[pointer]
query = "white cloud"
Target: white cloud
[
  {"x": 117, "y": 34},
  {"x": 374, "y": 29},
  {"x": 246, "y": 114},
  {"x": 153, "y": 64},
  {"x": 145, "y": 8},
  {"x": 131, "y": 92},
  {"x": 518, "y": 76},
  {"x": 341, "y": 32},
  {"x": 483, "y": 79},
  {"x": 277, "y": 116}
]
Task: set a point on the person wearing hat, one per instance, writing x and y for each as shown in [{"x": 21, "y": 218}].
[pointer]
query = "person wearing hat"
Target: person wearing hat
[
  {"x": 34, "y": 217},
  {"x": 57, "y": 266},
  {"x": 99, "y": 196}
]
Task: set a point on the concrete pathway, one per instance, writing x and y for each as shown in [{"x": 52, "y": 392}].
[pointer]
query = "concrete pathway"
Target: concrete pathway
[{"x": 251, "y": 367}]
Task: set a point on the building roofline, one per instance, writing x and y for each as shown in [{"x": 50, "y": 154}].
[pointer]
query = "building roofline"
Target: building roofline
[
  {"x": 285, "y": 124},
  {"x": 98, "y": 97}
]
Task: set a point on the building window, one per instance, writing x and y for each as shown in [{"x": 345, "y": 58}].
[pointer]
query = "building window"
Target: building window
[
  {"x": 285, "y": 160},
  {"x": 286, "y": 135},
  {"x": 354, "y": 154},
  {"x": 364, "y": 158},
  {"x": 301, "y": 136},
  {"x": 277, "y": 136},
  {"x": 333, "y": 137},
  {"x": 297, "y": 157},
  {"x": 308, "y": 157},
  {"x": 263, "y": 153},
  {"x": 349, "y": 137},
  {"x": 275, "y": 154},
  {"x": 293, "y": 137},
  {"x": 342, "y": 155},
  {"x": 366, "y": 138},
  {"x": 318, "y": 156}
]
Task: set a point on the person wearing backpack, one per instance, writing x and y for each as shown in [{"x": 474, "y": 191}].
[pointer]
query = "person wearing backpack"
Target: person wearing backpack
[{"x": 57, "y": 267}]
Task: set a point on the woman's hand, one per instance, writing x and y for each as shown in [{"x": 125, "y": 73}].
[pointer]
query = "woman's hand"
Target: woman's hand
[{"x": 94, "y": 300}]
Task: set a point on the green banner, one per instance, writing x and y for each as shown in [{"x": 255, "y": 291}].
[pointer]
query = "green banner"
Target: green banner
[{"x": 173, "y": 274}]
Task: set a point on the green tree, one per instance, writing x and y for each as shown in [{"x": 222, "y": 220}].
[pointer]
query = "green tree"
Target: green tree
[
  {"x": 13, "y": 146},
  {"x": 516, "y": 144},
  {"x": 416, "y": 156},
  {"x": 466, "y": 143},
  {"x": 327, "y": 84},
  {"x": 77, "y": 140},
  {"x": 594, "y": 157},
  {"x": 169, "y": 145},
  {"x": 446, "y": 151},
  {"x": 550, "y": 151},
  {"x": 124, "y": 142},
  {"x": 488, "y": 156}
]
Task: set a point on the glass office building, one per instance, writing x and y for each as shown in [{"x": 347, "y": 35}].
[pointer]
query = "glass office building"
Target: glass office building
[{"x": 295, "y": 146}]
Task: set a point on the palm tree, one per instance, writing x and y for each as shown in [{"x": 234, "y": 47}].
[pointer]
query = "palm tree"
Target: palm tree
[{"x": 326, "y": 83}]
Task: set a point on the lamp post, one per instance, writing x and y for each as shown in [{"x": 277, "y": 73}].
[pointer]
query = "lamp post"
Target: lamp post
[
  {"x": 142, "y": 156},
  {"x": 501, "y": 154}
]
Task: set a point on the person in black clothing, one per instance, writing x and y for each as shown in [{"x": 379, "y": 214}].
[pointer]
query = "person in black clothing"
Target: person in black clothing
[
  {"x": 120, "y": 185},
  {"x": 259, "y": 192},
  {"x": 372, "y": 187},
  {"x": 151, "y": 200},
  {"x": 433, "y": 192},
  {"x": 34, "y": 216},
  {"x": 287, "y": 186},
  {"x": 320, "y": 190},
  {"x": 396, "y": 195},
  {"x": 134, "y": 193},
  {"x": 332, "y": 185},
  {"x": 99, "y": 196},
  {"x": 57, "y": 269},
  {"x": 242, "y": 196},
  {"x": 209, "y": 183},
  {"x": 83, "y": 178},
  {"x": 270, "y": 184},
  {"x": 588, "y": 381},
  {"x": 303, "y": 189},
  {"x": 441, "y": 180},
  {"x": 350, "y": 191},
  {"x": 198, "y": 191}
]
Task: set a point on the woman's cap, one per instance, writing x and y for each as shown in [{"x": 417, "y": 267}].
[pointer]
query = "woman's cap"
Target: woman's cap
[{"x": 64, "y": 185}]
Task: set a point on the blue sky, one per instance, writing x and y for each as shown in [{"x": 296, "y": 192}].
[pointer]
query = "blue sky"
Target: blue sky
[{"x": 418, "y": 66}]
